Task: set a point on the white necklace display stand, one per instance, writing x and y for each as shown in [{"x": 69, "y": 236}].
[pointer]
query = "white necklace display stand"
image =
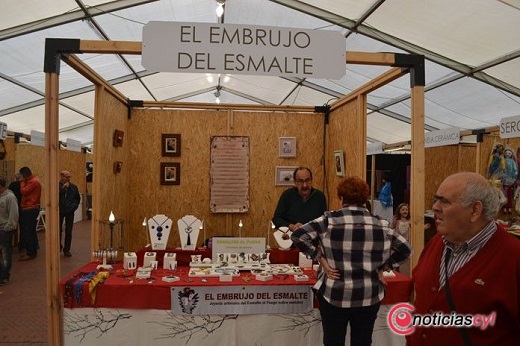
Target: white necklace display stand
[
  {"x": 283, "y": 238},
  {"x": 159, "y": 228},
  {"x": 189, "y": 227}
]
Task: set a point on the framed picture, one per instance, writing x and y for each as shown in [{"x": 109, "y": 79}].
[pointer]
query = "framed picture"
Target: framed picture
[
  {"x": 171, "y": 144},
  {"x": 284, "y": 175},
  {"x": 170, "y": 173},
  {"x": 287, "y": 147},
  {"x": 339, "y": 163}
]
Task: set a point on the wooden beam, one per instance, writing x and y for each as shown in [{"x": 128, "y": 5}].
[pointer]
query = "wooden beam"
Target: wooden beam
[
  {"x": 52, "y": 235},
  {"x": 87, "y": 72},
  {"x": 228, "y": 106},
  {"x": 374, "y": 84},
  {"x": 111, "y": 47},
  {"x": 364, "y": 58},
  {"x": 418, "y": 173}
]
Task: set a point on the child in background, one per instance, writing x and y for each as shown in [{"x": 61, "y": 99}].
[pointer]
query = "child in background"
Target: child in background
[
  {"x": 401, "y": 220},
  {"x": 401, "y": 224}
]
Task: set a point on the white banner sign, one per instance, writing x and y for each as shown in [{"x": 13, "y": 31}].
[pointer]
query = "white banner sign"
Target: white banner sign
[
  {"x": 236, "y": 245},
  {"x": 38, "y": 138},
  {"x": 243, "y": 49},
  {"x": 211, "y": 300},
  {"x": 442, "y": 137},
  {"x": 509, "y": 127},
  {"x": 73, "y": 145},
  {"x": 374, "y": 148}
]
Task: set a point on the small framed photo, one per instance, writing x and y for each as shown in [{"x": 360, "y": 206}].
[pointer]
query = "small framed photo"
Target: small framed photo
[
  {"x": 170, "y": 173},
  {"x": 287, "y": 147},
  {"x": 339, "y": 163},
  {"x": 284, "y": 175},
  {"x": 171, "y": 144}
]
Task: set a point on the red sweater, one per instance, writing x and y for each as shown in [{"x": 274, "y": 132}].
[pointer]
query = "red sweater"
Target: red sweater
[
  {"x": 489, "y": 282},
  {"x": 31, "y": 193}
]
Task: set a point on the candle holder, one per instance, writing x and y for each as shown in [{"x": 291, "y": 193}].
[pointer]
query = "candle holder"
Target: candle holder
[
  {"x": 106, "y": 256},
  {"x": 111, "y": 239},
  {"x": 240, "y": 224},
  {"x": 201, "y": 227}
]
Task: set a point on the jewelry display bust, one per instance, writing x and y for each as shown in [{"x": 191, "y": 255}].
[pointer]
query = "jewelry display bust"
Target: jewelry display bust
[
  {"x": 159, "y": 227},
  {"x": 283, "y": 238},
  {"x": 189, "y": 227}
]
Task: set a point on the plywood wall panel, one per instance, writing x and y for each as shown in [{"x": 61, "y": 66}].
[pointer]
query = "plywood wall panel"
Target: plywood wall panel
[{"x": 191, "y": 197}]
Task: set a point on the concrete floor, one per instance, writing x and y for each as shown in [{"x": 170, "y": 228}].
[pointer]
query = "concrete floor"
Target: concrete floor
[{"x": 23, "y": 302}]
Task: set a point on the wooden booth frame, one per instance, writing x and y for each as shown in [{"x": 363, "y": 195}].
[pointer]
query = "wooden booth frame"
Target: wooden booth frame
[{"x": 66, "y": 50}]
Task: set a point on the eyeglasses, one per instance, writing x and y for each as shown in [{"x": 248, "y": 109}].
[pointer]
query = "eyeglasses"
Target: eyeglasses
[{"x": 301, "y": 181}]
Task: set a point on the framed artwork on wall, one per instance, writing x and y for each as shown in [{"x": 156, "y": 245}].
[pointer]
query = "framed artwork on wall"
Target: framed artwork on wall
[
  {"x": 287, "y": 147},
  {"x": 171, "y": 144},
  {"x": 170, "y": 173},
  {"x": 339, "y": 163},
  {"x": 283, "y": 175}
]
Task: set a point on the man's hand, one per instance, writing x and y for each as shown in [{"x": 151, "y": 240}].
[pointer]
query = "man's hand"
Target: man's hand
[
  {"x": 294, "y": 226},
  {"x": 331, "y": 273}
]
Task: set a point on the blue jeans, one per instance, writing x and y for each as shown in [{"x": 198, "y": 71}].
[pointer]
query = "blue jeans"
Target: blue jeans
[
  {"x": 335, "y": 320},
  {"x": 6, "y": 244}
]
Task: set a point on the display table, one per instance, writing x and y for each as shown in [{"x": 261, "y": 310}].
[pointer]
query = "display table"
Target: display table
[{"x": 129, "y": 311}]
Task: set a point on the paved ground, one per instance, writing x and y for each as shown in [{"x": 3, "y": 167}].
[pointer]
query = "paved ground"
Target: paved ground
[{"x": 23, "y": 302}]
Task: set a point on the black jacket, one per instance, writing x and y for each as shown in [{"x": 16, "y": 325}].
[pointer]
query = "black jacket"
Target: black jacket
[{"x": 69, "y": 199}]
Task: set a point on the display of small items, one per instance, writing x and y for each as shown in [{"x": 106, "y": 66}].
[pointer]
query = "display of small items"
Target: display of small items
[
  {"x": 107, "y": 256},
  {"x": 243, "y": 257}
]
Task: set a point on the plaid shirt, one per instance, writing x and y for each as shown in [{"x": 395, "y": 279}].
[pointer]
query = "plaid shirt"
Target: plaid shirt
[{"x": 357, "y": 244}]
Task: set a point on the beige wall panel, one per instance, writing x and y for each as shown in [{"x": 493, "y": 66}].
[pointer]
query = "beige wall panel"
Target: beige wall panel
[
  {"x": 343, "y": 134},
  {"x": 10, "y": 149},
  {"x": 467, "y": 157},
  {"x": 33, "y": 157},
  {"x": 148, "y": 198},
  {"x": 111, "y": 190},
  {"x": 439, "y": 162}
]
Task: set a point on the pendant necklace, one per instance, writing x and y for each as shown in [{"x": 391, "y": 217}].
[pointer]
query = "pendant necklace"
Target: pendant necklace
[
  {"x": 188, "y": 230},
  {"x": 159, "y": 228},
  {"x": 285, "y": 236}
]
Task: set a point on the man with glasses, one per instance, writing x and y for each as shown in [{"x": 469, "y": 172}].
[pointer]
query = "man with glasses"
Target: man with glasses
[
  {"x": 69, "y": 202},
  {"x": 301, "y": 203}
]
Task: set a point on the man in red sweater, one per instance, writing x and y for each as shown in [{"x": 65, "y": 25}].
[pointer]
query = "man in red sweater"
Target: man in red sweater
[
  {"x": 29, "y": 209},
  {"x": 469, "y": 272}
]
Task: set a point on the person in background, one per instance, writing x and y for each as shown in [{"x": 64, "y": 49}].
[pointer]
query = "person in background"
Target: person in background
[
  {"x": 469, "y": 268},
  {"x": 354, "y": 249},
  {"x": 69, "y": 202},
  {"x": 8, "y": 225},
  {"x": 31, "y": 189},
  {"x": 401, "y": 224},
  {"x": 299, "y": 204},
  {"x": 14, "y": 186}
]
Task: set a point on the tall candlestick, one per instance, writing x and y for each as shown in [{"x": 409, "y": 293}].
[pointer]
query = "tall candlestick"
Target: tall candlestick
[
  {"x": 204, "y": 239},
  {"x": 111, "y": 220},
  {"x": 240, "y": 224},
  {"x": 147, "y": 233}
]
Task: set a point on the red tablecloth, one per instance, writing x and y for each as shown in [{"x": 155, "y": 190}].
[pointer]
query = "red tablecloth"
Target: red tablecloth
[{"x": 122, "y": 290}]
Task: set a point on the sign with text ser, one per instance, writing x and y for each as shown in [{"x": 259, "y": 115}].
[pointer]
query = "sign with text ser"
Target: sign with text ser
[
  {"x": 224, "y": 300},
  {"x": 243, "y": 49},
  {"x": 510, "y": 127}
]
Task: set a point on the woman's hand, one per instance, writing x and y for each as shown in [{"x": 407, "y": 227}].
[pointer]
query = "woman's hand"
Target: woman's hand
[
  {"x": 382, "y": 277},
  {"x": 331, "y": 273}
]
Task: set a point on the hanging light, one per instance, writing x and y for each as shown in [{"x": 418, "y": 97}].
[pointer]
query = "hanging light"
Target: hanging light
[
  {"x": 217, "y": 95},
  {"x": 220, "y": 8}
]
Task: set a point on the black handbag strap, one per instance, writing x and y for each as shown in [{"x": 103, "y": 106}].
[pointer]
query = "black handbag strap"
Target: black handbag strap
[{"x": 463, "y": 331}]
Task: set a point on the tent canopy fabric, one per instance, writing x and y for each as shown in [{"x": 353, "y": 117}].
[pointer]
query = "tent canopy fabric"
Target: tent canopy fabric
[{"x": 471, "y": 47}]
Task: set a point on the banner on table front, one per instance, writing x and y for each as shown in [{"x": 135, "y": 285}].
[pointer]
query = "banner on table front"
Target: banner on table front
[{"x": 208, "y": 300}]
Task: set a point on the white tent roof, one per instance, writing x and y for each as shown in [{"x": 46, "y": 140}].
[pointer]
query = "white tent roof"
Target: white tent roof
[{"x": 472, "y": 51}]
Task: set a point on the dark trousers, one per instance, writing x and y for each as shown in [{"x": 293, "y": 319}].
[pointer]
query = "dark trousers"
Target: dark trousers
[
  {"x": 335, "y": 320},
  {"x": 28, "y": 220},
  {"x": 69, "y": 222}
]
